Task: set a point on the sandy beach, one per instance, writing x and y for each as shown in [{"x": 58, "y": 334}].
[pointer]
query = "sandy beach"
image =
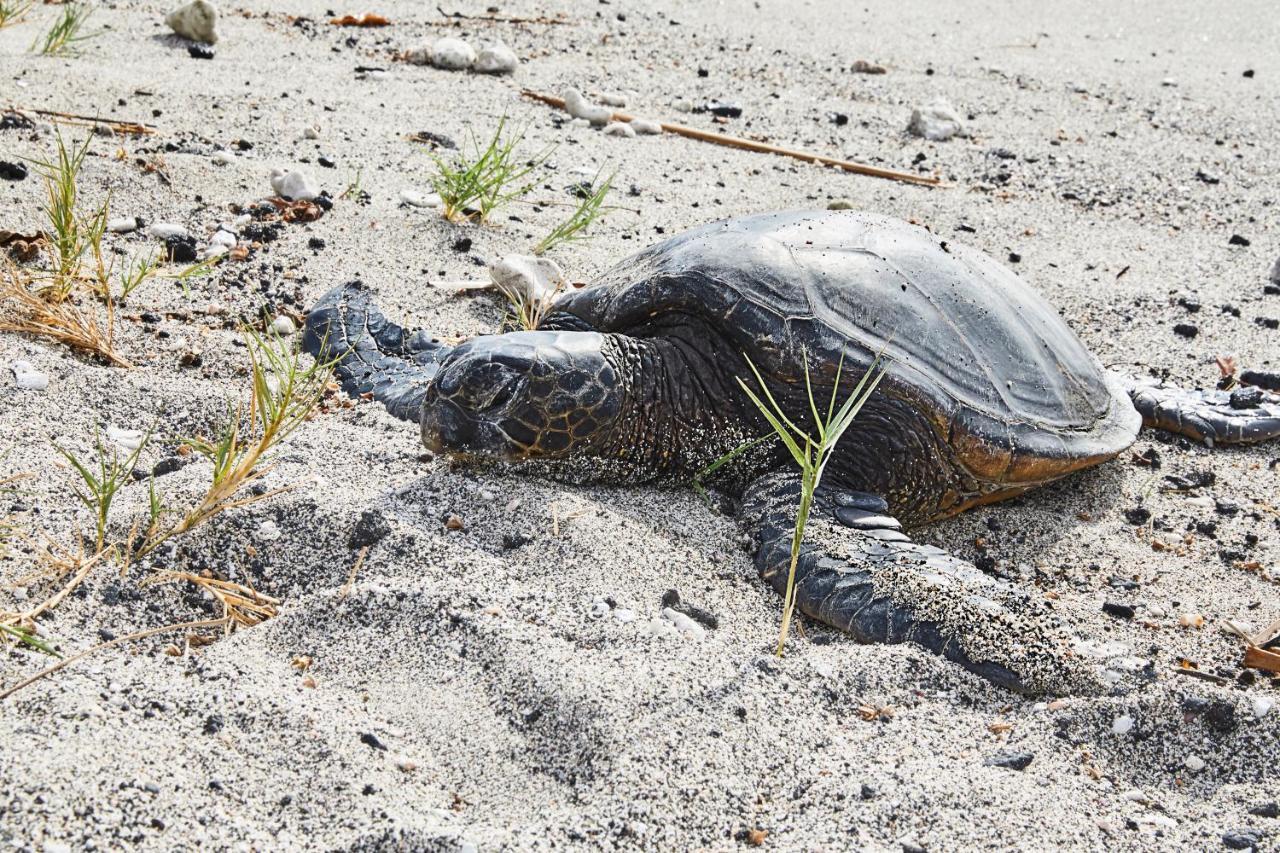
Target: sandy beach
[{"x": 461, "y": 658}]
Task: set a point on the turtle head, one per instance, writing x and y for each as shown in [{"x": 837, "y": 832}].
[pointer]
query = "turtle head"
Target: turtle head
[{"x": 523, "y": 395}]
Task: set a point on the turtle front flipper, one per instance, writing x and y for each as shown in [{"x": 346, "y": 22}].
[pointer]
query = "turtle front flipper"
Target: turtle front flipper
[
  {"x": 372, "y": 355},
  {"x": 860, "y": 573},
  {"x": 1245, "y": 415}
]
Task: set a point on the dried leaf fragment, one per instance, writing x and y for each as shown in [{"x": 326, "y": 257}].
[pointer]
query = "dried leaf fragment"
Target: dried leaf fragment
[{"x": 367, "y": 20}]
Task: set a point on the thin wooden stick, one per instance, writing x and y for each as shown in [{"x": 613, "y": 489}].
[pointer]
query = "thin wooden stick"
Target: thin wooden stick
[
  {"x": 1262, "y": 659},
  {"x": 1203, "y": 676},
  {"x": 762, "y": 147},
  {"x": 456, "y": 18},
  {"x": 203, "y": 623},
  {"x": 351, "y": 578},
  {"x": 136, "y": 128},
  {"x": 1267, "y": 634}
]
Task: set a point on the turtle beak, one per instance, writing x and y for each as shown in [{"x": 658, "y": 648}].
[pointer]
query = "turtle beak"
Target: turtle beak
[
  {"x": 446, "y": 428},
  {"x": 467, "y": 420}
]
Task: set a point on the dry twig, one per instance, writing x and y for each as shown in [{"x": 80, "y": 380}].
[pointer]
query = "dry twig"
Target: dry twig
[
  {"x": 454, "y": 19},
  {"x": 241, "y": 605},
  {"x": 132, "y": 128},
  {"x": 762, "y": 147},
  {"x": 351, "y": 578},
  {"x": 138, "y": 635}
]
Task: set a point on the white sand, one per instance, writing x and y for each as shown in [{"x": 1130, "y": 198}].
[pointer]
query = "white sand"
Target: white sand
[{"x": 509, "y": 717}]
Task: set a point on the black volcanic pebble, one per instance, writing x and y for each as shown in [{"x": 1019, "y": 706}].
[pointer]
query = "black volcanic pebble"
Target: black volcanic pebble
[
  {"x": 168, "y": 465},
  {"x": 180, "y": 249},
  {"x": 371, "y": 529},
  {"x": 1186, "y": 330},
  {"x": 724, "y": 109},
  {"x": 371, "y": 740},
  {"x": 1139, "y": 515},
  {"x": 1262, "y": 379},
  {"x": 1010, "y": 760},
  {"x": 1242, "y": 839},
  {"x": 12, "y": 171},
  {"x": 462, "y": 244},
  {"x": 1237, "y": 240},
  {"x": 1115, "y": 608},
  {"x": 511, "y": 541},
  {"x": 15, "y": 121},
  {"x": 1270, "y": 809},
  {"x": 200, "y": 51}
]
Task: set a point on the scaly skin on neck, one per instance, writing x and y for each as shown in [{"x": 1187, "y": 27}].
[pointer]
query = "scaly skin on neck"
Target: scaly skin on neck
[{"x": 675, "y": 418}]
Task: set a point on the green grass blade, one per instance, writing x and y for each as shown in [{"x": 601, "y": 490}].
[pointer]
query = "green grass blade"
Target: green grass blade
[
  {"x": 772, "y": 402},
  {"x": 778, "y": 428},
  {"x": 26, "y": 638}
]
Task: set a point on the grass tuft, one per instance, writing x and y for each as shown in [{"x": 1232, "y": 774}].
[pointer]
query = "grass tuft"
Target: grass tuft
[
  {"x": 12, "y": 11},
  {"x": 810, "y": 453},
  {"x": 70, "y": 233},
  {"x": 473, "y": 188},
  {"x": 587, "y": 212},
  {"x": 102, "y": 478},
  {"x": 282, "y": 395},
  {"x": 67, "y": 30},
  {"x": 26, "y": 637}
]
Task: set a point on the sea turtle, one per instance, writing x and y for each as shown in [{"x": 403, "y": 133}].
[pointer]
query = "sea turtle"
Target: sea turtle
[{"x": 987, "y": 393}]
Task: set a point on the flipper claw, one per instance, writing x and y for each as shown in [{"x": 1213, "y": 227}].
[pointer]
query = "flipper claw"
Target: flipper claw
[
  {"x": 373, "y": 355},
  {"x": 878, "y": 585}
]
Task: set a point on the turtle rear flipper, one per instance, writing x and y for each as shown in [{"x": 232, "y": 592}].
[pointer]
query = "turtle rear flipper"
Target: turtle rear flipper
[
  {"x": 860, "y": 573},
  {"x": 372, "y": 355},
  {"x": 1245, "y": 415}
]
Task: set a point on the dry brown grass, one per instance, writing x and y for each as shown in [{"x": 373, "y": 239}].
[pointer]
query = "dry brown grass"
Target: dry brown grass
[
  {"x": 53, "y": 562},
  {"x": 241, "y": 605},
  {"x": 24, "y": 311}
]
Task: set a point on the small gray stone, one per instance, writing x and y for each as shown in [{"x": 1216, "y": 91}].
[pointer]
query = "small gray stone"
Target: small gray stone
[
  {"x": 452, "y": 54},
  {"x": 646, "y": 127},
  {"x": 165, "y": 230},
  {"x": 579, "y": 107},
  {"x": 1242, "y": 839},
  {"x": 936, "y": 121},
  {"x": 283, "y": 326},
  {"x": 495, "y": 58},
  {"x": 294, "y": 185},
  {"x": 198, "y": 21},
  {"x": 26, "y": 377},
  {"x": 619, "y": 128},
  {"x": 1010, "y": 760}
]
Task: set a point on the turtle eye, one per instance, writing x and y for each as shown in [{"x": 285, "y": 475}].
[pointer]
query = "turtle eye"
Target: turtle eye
[{"x": 485, "y": 386}]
